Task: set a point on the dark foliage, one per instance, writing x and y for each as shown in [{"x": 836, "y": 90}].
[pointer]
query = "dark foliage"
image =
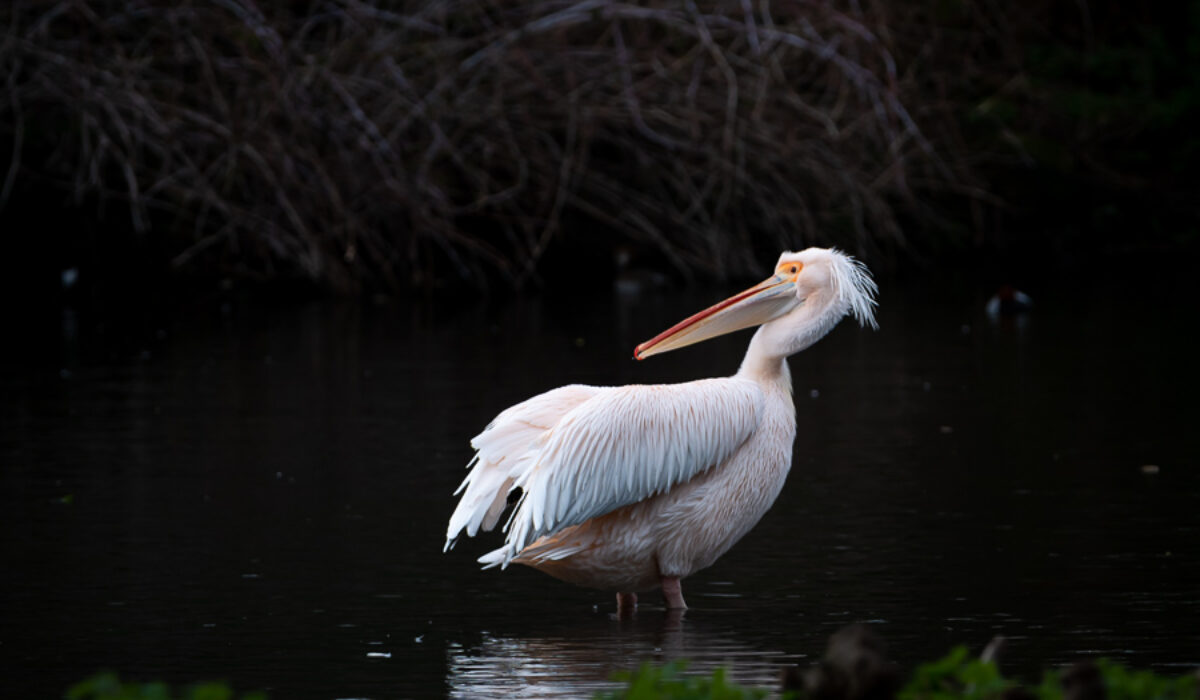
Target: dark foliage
[
  {"x": 387, "y": 144},
  {"x": 392, "y": 143}
]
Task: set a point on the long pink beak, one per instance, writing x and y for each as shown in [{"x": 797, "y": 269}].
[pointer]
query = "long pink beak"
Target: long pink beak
[{"x": 763, "y": 302}]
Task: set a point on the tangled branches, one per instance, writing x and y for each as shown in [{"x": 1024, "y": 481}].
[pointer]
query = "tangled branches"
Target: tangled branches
[{"x": 364, "y": 144}]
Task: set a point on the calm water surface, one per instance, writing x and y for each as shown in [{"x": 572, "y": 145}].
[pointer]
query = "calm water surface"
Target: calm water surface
[{"x": 260, "y": 495}]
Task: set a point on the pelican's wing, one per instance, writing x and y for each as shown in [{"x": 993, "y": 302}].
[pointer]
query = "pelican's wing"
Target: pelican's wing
[
  {"x": 503, "y": 453},
  {"x": 620, "y": 446}
]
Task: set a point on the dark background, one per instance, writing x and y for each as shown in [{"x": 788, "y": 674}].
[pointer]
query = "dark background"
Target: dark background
[
  {"x": 326, "y": 147},
  {"x": 268, "y": 267}
]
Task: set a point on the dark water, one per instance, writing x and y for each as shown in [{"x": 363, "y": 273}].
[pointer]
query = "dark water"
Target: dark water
[{"x": 260, "y": 495}]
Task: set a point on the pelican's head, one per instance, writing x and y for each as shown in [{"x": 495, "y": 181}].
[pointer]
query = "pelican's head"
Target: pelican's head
[{"x": 808, "y": 294}]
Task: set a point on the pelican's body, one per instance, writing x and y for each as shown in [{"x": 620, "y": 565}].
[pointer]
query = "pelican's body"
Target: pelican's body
[
  {"x": 678, "y": 532},
  {"x": 636, "y": 487}
]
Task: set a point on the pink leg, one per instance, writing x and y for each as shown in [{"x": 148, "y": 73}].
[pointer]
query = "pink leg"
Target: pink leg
[
  {"x": 626, "y": 605},
  {"x": 673, "y": 592}
]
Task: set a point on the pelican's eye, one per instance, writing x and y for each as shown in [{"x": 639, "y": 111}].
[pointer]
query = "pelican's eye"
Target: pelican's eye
[{"x": 790, "y": 268}]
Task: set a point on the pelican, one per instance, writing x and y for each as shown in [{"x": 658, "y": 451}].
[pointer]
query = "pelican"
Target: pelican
[{"x": 636, "y": 487}]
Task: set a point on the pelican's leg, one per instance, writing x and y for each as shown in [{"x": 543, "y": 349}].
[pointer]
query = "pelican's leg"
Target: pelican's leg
[
  {"x": 626, "y": 605},
  {"x": 673, "y": 592}
]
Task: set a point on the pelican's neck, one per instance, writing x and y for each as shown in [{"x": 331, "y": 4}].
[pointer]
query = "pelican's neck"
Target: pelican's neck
[
  {"x": 762, "y": 365},
  {"x": 776, "y": 340}
]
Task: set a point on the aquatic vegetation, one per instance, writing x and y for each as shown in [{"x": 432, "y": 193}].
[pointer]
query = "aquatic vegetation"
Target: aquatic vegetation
[
  {"x": 959, "y": 675},
  {"x": 650, "y": 682},
  {"x": 108, "y": 686},
  {"x": 956, "y": 676}
]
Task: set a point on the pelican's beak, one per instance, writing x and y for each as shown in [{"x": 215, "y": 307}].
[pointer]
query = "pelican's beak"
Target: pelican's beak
[{"x": 764, "y": 301}]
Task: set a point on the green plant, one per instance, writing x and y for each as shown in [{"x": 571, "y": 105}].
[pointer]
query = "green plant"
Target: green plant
[
  {"x": 650, "y": 682},
  {"x": 1121, "y": 683},
  {"x": 956, "y": 675},
  {"x": 107, "y": 686}
]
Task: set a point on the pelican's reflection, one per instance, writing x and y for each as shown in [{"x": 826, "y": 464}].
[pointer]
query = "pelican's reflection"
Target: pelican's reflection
[{"x": 580, "y": 660}]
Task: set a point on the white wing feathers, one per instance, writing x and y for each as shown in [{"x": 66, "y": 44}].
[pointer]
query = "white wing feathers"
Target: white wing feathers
[
  {"x": 502, "y": 454},
  {"x": 579, "y": 452}
]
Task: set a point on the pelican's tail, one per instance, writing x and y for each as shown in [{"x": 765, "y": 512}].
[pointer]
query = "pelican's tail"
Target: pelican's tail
[
  {"x": 499, "y": 557},
  {"x": 549, "y": 548}
]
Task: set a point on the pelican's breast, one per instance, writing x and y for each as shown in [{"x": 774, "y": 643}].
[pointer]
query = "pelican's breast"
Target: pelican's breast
[{"x": 713, "y": 512}]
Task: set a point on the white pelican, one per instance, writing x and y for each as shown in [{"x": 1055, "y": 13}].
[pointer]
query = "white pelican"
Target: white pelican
[{"x": 636, "y": 487}]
